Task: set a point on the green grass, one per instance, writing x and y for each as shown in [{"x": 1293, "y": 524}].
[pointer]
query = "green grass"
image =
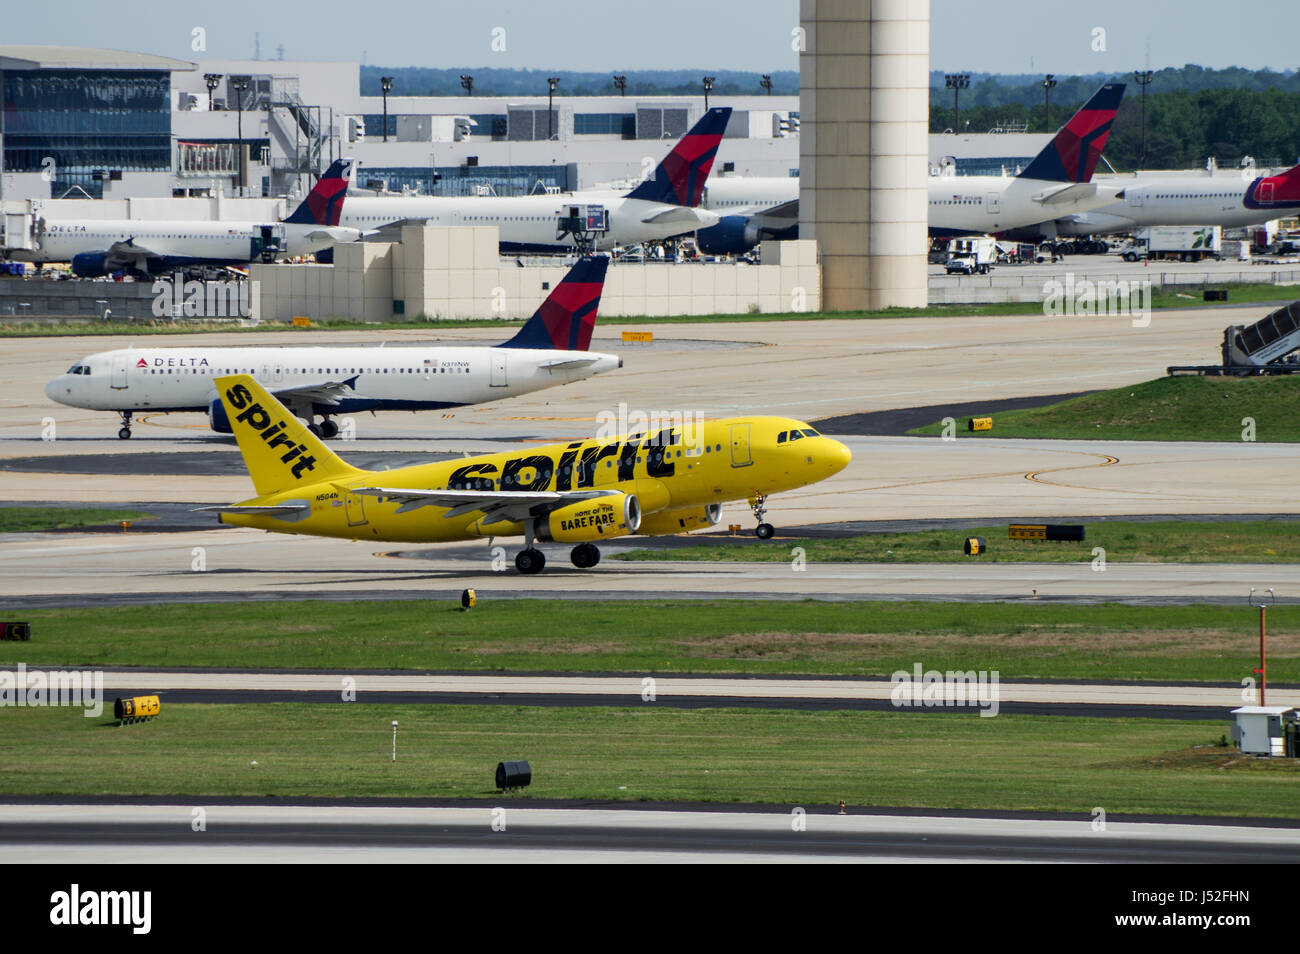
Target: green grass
[
  {"x": 27, "y": 519},
  {"x": 1107, "y": 641},
  {"x": 933, "y": 760},
  {"x": 1172, "y": 541},
  {"x": 1184, "y": 408},
  {"x": 1188, "y": 297}
]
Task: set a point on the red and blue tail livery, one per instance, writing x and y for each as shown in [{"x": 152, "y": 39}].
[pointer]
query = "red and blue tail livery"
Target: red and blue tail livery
[
  {"x": 1072, "y": 154},
  {"x": 324, "y": 204},
  {"x": 680, "y": 178},
  {"x": 1281, "y": 191},
  {"x": 565, "y": 321}
]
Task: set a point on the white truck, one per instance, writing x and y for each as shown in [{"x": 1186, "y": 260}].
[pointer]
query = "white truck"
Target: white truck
[
  {"x": 971, "y": 256},
  {"x": 1184, "y": 243}
]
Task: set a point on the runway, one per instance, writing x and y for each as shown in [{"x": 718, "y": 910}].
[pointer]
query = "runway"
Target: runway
[
  {"x": 1035, "y": 697},
  {"x": 504, "y": 830}
]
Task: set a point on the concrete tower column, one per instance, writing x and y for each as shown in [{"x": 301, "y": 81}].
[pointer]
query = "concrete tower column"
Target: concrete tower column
[{"x": 863, "y": 156}]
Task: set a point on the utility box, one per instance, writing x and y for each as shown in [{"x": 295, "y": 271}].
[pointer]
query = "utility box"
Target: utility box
[{"x": 1260, "y": 730}]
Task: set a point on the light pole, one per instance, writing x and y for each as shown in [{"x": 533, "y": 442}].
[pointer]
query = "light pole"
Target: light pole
[
  {"x": 765, "y": 81},
  {"x": 708, "y": 87},
  {"x": 239, "y": 84},
  {"x": 551, "y": 83},
  {"x": 1262, "y": 604},
  {"x": 1049, "y": 84},
  {"x": 386, "y": 85},
  {"x": 467, "y": 84},
  {"x": 620, "y": 84},
  {"x": 956, "y": 82},
  {"x": 213, "y": 80},
  {"x": 1143, "y": 78}
]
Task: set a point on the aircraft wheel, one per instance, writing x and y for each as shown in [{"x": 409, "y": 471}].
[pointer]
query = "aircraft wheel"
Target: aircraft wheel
[
  {"x": 530, "y": 561},
  {"x": 764, "y": 531},
  {"x": 124, "y": 434},
  {"x": 585, "y": 555},
  {"x": 328, "y": 429},
  {"x": 314, "y": 428}
]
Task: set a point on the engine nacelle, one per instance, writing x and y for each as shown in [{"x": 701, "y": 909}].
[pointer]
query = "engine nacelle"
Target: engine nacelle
[
  {"x": 732, "y": 234},
  {"x": 666, "y": 522},
  {"x": 217, "y": 419},
  {"x": 90, "y": 265},
  {"x": 600, "y": 518}
]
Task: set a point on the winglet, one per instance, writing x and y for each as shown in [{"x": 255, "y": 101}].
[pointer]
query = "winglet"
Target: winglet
[
  {"x": 1072, "y": 154},
  {"x": 324, "y": 203},
  {"x": 565, "y": 321},
  {"x": 279, "y": 452},
  {"x": 679, "y": 179}
]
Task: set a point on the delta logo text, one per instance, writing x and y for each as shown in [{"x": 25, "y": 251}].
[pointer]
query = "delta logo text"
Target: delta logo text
[{"x": 931, "y": 688}]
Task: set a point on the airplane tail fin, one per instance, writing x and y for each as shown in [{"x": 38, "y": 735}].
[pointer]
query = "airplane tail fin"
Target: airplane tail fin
[
  {"x": 1072, "y": 154},
  {"x": 1268, "y": 192},
  {"x": 567, "y": 318},
  {"x": 279, "y": 452},
  {"x": 324, "y": 203},
  {"x": 679, "y": 179}
]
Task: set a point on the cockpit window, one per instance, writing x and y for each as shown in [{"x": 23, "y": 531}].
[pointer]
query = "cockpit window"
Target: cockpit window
[
  {"x": 780, "y": 438},
  {"x": 809, "y": 432}
]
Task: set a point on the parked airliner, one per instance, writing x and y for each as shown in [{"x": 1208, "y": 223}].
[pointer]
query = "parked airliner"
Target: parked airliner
[
  {"x": 550, "y": 349},
  {"x": 144, "y": 247},
  {"x": 664, "y": 205}
]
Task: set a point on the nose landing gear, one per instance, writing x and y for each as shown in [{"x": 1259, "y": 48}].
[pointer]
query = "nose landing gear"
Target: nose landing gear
[
  {"x": 764, "y": 530},
  {"x": 125, "y": 432}
]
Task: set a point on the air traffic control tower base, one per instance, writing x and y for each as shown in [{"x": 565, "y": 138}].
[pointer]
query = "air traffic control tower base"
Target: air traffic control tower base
[{"x": 863, "y": 156}]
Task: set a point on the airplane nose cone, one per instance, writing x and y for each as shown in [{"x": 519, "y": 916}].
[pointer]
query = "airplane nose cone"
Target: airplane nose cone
[
  {"x": 54, "y": 389},
  {"x": 840, "y": 457}
]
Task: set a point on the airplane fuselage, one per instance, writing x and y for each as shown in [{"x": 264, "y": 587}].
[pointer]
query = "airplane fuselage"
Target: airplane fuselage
[
  {"x": 177, "y": 243},
  {"x": 982, "y": 205},
  {"x": 529, "y": 223},
  {"x": 379, "y": 378},
  {"x": 676, "y": 474}
]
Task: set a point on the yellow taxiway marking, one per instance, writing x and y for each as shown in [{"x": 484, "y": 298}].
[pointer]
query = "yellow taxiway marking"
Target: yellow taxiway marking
[
  {"x": 149, "y": 419},
  {"x": 1106, "y": 461}
]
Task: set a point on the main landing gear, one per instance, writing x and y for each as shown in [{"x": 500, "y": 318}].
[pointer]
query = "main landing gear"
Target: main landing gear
[
  {"x": 529, "y": 560},
  {"x": 585, "y": 556},
  {"x": 764, "y": 530},
  {"x": 125, "y": 432},
  {"x": 325, "y": 429}
]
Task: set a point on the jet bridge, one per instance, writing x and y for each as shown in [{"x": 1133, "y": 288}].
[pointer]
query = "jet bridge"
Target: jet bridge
[{"x": 1269, "y": 346}]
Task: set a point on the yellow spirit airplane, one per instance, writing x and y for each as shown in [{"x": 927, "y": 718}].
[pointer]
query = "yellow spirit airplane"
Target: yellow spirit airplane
[{"x": 583, "y": 492}]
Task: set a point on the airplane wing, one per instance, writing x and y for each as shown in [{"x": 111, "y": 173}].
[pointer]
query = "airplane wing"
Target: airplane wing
[
  {"x": 128, "y": 253},
  {"x": 327, "y": 393},
  {"x": 496, "y": 505},
  {"x": 786, "y": 213},
  {"x": 674, "y": 215}
]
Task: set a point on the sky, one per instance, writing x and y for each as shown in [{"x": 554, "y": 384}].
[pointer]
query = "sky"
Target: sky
[{"x": 1021, "y": 36}]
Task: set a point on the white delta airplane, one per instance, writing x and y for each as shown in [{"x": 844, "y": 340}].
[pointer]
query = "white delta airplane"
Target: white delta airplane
[
  {"x": 550, "y": 349},
  {"x": 1211, "y": 200},
  {"x": 145, "y": 247},
  {"x": 664, "y": 205},
  {"x": 1057, "y": 182}
]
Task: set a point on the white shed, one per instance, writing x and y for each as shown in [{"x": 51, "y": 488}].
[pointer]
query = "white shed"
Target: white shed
[{"x": 1259, "y": 729}]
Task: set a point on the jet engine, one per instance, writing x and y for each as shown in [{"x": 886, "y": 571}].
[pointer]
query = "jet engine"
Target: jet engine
[
  {"x": 600, "y": 518},
  {"x": 679, "y": 521},
  {"x": 732, "y": 234}
]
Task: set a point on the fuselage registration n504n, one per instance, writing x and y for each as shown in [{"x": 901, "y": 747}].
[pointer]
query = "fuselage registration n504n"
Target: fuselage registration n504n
[{"x": 581, "y": 492}]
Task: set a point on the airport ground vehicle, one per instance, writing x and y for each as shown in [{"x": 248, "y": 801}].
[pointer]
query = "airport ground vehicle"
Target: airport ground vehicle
[
  {"x": 972, "y": 256},
  {"x": 1183, "y": 243}
]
